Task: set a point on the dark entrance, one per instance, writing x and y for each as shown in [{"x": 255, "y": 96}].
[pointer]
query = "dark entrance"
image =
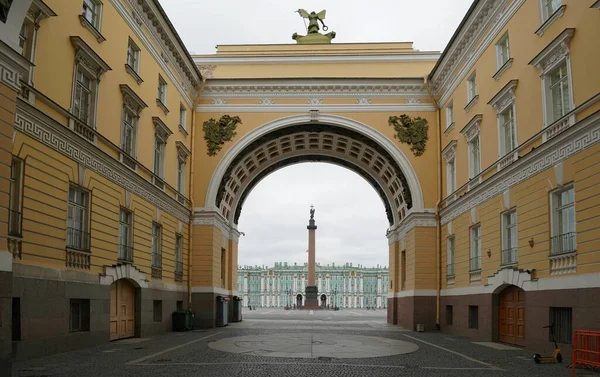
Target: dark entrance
[
  {"x": 323, "y": 301},
  {"x": 512, "y": 316},
  {"x": 299, "y": 300}
]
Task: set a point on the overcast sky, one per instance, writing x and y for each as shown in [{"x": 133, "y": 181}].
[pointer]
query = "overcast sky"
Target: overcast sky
[{"x": 350, "y": 216}]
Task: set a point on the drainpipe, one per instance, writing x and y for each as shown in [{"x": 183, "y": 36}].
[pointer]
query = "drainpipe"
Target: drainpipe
[
  {"x": 191, "y": 188},
  {"x": 438, "y": 233}
]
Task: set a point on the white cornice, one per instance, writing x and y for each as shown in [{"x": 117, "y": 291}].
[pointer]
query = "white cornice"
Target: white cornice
[
  {"x": 449, "y": 150},
  {"x": 188, "y": 94},
  {"x": 472, "y": 128},
  {"x": 306, "y": 108},
  {"x": 552, "y": 53},
  {"x": 37, "y": 125},
  {"x": 215, "y": 219},
  {"x": 13, "y": 66},
  {"x": 391, "y": 58},
  {"x": 504, "y": 97},
  {"x": 564, "y": 145},
  {"x": 413, "y": 220},
  {"x": 460, "y": 63},
  {"x": 311, "y": 88}
]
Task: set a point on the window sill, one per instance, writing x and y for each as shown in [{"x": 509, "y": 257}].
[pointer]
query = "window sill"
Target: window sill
[
  {"x": 134, "y": 74},
  {"x": 550, "y": 20},
  {"x": 507, "y": 159},
  {"x": 129, "y": 161},
  {"x": 472, "y": 103},
  {"x": 503, "y": 69},
  {"x": 449, "y": 129},
  {"x": 160, "y": 104},
  {"x": 86, "y": 24},
  {"x": 182, "y": 130},
  {"x": 158, "y": 182}
]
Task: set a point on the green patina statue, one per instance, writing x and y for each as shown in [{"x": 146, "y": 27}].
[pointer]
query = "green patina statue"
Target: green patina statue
[{"x": 313, "y": 36}]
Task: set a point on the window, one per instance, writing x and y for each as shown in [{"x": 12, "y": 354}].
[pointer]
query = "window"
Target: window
[
  {"x": 549, "y": 7},
  {"x": 223, "y": 267},
  {"x": 449, "y": 115},
  {"x": 156, "y": 250},
  {"x": 450, "y": 176},
  {"x": 129, "y": 132},
  {"x": 563, "y": 222},
  {"x": 182, "y": 116},
  {"x": 178, "y": 257},
  {"x": 77, "y": 219},
  {"x": 502, "y": 51},
  {"x": 475, "y": 264},
  {"x": 15, "y": 219},
  {"x": 159, "y": 156},
  {"x": 450, "y": 256},
  {"x": 82, "y": 101},
  {"x": 91, "y": 12},
  {"x": 449, "y": 315},
  {"x": 162, "y": 91},
  {"x": 473, "y": 317},
  {"x": 26, "y": 39},
  {"x": 403, "y": 271},
  {"x": 125, "y": 236},
  {"x": 474, "y": 157},
  {"x": 559, "y": 98},
  {"x": 509, "y": 237},
  {"x": 562, "y": 318},
  {"x": 157, "y": 310},
  {"x": 180, "y": 176},
  {"x": 133, "y": 56},
  {"x": 508, "y": 140},
  {"x": 16, "y": 319},
  {"x": 79, "y": 316},
  {"x": 471, "y": 87}
]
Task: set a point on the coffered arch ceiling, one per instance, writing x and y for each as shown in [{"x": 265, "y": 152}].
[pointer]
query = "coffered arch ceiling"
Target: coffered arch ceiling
[{"x": 331, "y": 139}]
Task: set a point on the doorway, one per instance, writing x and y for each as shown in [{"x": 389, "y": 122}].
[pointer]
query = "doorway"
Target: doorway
[
  {"x": 122, "y": 310},
  {"x": 299, "y": 301},
  {"x": 323, "y": 301},
  {"x": 512, "y": 316}
]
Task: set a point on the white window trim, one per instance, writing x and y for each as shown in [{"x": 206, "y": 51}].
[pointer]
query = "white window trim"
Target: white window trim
[
  {"x": 546, "y": 20},
  {"x": 499, "y": 47},
  {"x": 94, "y": 28},
  {"x": 86, "y": 223},
  {"x": 473, "y": 242},
  {"x": 134, "y": 104},
  {"x": 501, "y": 101},
  {"x": 505, "y": 245},
  {"x": 137, "y": 55},
  {"x": 162, "y": 84},
  {"x": 554, "y": 231},
  {"x": 472, "y": 84},
  {"x": 451, "y": 256},
  {"x": 449, "y": 116},
  {"x": 553, "y": 55},
  {"x": 449, "y": 154},
  {"x": 471, "y": 132}
]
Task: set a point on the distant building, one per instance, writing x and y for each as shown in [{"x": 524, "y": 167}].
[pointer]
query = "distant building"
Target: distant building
[{"x": 346, "y": 286}]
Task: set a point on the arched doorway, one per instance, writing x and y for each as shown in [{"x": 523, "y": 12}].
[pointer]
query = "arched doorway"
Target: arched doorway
[
  {"x": 323, "y": 301},
  {"x": 299, "y": 300},
  {"x": 511, "y": 316},
  {"x": 122, "y": 310}
]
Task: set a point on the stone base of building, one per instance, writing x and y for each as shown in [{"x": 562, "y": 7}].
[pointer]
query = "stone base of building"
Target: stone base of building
[
  {"x": 584, "y": 303},
  {"x": 416, "y": 310},
  {"x": 5, "y": 323},
  {"x": 392, "y": 310},
  {"x": 311, "y": 301},
  {"x": 204, "y": 305}
]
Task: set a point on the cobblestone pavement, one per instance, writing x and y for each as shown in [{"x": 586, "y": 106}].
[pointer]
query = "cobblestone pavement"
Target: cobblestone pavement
[{"x": 189, "y": 354}]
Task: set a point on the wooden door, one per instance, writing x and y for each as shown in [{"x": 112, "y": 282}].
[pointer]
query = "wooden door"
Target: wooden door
[
  {"x": 512, "y": 316},
  {"x": 122, "y": 310}
]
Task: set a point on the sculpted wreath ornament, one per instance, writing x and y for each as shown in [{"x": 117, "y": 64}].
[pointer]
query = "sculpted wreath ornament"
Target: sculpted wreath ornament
[
  {"x": 411, "y": 131},
  {"x": 216, "y": 133}
]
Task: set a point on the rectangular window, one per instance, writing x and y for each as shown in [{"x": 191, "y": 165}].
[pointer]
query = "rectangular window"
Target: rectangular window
[
  {"x": 403, "y": 271},
  {"x": 450, "y": 176},
  {"x": 79, "y": 316},
  {"x": 450, "y": 257},
  {"x": 563, "y": 222},
  {"x": 78, "y": 219},
  {"x": 133, "y": 56},
  {"x": 508, "y": 139},
  {"x": 471, "y": 87},
  {"x": 15, "y": 213},
  {"x": 91, "y": 12},
  {"x": 549, "y": 7},
  {"x": 562, "y": 318},
  {"x": 125, "y": 236},
  {"x": 129, "y": 131},
  {"x": 502, "y": 51},
  {"x": 26, "y": 39},
  {"x": 558, "y": 93},
  {"x": 83, "y": 99},
  {"x": 473, "y": 317},
  {"x": 509, "y": 237},
  {"x": 449, "y": 315},
  {"x": 178, "y": 257},
  {"x": 159, "y": 156},
  {"x": 223, "y": 267},
  {"x": 475, "y": 264},
  {"x": 474, "y": 157},
  {"x": 162, "y": 90},
  {"x": 182, "y": 116},
  {"x": 157, "y": 310},
  {"x": 449, "y": 115},
  {"x": 16, "y": 319},
  {"x": 156, "y": 245},
  {"x": 181, "y": 176}
]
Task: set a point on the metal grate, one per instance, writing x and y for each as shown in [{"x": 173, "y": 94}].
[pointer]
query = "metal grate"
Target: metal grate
[
  {"x": 562, "y": 318},
  {"x": 563, "y": 244}
]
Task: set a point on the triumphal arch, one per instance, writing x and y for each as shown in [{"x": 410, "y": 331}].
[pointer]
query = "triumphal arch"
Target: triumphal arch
[{"x": 363, "y": 106}]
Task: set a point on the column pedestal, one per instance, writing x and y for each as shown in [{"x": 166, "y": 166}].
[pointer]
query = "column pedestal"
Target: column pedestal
[{"x": 311, "y": 301}]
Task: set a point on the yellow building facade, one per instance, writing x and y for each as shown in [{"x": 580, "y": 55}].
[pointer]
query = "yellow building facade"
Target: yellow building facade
[{"x": 118, "y": 214}]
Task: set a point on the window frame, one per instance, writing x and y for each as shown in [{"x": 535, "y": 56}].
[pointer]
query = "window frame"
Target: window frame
[
  {"x": 450, "y": 255},
  {"x": 81, "y": 70},
  {"x": 473, "y": 320},
  {"x": 451, "y": 176},
  {"x": 182, "y": 116},
  {"x": 509, "y": 243},
  {"x": 161, "y": 94},
  {"x": 475, "y": 246},
  {"x": 567, "y": 314},
  {"x": 548, "y": 89},
  {"x": 84, "y": 318},
  {"x": 97, "y": 21},
  {"x": 159, "y": 156},
  {"x": 546, "y": 13},
  {"x": 15, "y": 204},
  {"x": 556, "y": 209},
  {"x": 502, "y": 44},
  {"x": 472, "y": 87},
  {"x": 474, "y": 163},
  {"x": 156, "y": 245},
  {"x": 122, "y": 254},
  {"x": 134, "y": 131},
  {"x": 85, "y": 207},
  {"x": 503, "y": 149},
  {"x": 450, "y": 115},
  {"x": 133, "y": 51}
]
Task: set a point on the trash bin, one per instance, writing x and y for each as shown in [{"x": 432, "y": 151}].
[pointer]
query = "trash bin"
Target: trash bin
[
  {"x": 237, "y": 309},
  {"x": 183, "y": 320},
  {"x": 222, "y": 314}
]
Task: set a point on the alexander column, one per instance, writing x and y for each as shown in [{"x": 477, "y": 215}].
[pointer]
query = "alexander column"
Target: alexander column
[{"x": 311, "y": 289}]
